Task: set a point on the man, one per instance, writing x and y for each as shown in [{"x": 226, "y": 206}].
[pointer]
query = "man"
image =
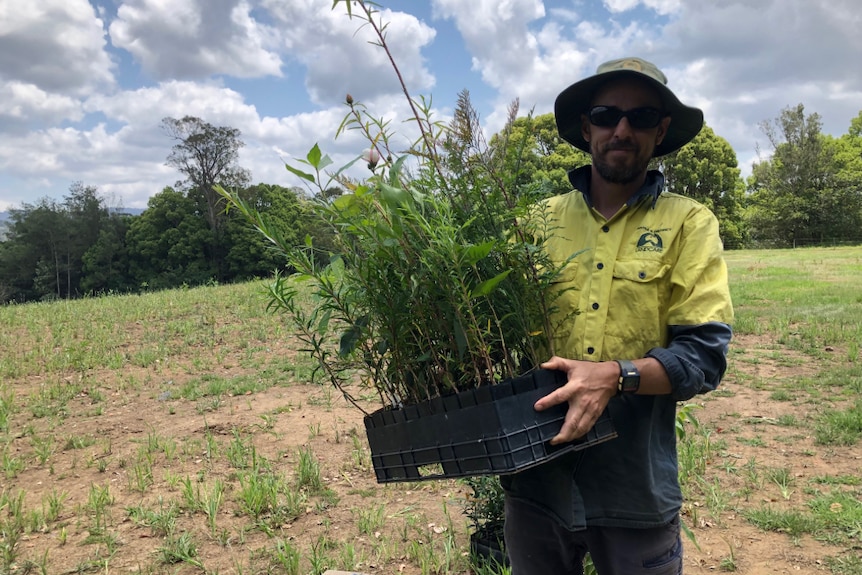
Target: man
[{"x": 652, "y": 329}]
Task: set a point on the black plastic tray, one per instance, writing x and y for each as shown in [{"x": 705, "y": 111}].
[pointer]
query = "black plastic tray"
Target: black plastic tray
[{"x": 489, "y": 430}]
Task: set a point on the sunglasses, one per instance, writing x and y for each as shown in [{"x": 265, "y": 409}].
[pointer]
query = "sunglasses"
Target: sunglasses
[{"x": 639, "y": 118}]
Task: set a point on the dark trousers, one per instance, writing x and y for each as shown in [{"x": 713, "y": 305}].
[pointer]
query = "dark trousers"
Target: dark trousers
[{"x": 538, "y": 545}]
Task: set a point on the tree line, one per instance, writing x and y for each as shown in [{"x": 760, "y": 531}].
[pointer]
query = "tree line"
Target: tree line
[
  {"x": 809, "y": 190},
  {"x": 81, "y": 246}
]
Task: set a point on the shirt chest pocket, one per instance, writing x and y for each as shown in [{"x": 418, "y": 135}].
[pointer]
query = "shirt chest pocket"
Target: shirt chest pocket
[
  {"x": 640, "y": 271},
  {"x": 638, "y": 300}
]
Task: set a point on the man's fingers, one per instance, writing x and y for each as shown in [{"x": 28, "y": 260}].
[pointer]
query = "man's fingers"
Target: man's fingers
[
  {"x": 545, "y": 402},
  {"x": 565, "y": 437},
  {"x": 555, "y": 362},
  {"x": 574, "y": 429},
  {"x": 582, "y": 412},
  {"x": 549, "y": 400}
]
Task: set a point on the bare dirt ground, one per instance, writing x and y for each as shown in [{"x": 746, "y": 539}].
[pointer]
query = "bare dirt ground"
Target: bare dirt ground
[
  {"x": 745, "y": 419},
  {"x": 122, "y": 420}
]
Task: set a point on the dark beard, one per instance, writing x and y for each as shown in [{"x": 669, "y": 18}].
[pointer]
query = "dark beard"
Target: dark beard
[{"x": 622, "y": 174}]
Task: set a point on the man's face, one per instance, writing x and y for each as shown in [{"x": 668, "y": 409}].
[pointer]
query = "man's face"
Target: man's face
[{"x": 621, "y": 153}]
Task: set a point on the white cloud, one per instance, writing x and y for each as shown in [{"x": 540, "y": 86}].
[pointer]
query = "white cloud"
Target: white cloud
[
  {"x": 660, "y": 6},
  {"x": 497, "y": 34},
  {"x": 64, "y": 119},
  {"x": 69, "y": 155},
  {"x": 26, "y": 104},
  {"x": 779, "y": 41},
  {"x": 339, "y": 54},
  {"x": 744, "y": 64},
  {"x": 127, "y": 159},
  {"x": 209, "y": 101},
  {"x": 526, "y": 56},
  {"x": 128, "y": 162},
  {"x": 56, "y": 45},
  {"x": 741, "y": 62},
  {"x": 195, "y": 38}
]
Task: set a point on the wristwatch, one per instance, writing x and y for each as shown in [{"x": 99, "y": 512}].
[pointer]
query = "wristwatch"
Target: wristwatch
[{"x": 630, "y": 377}]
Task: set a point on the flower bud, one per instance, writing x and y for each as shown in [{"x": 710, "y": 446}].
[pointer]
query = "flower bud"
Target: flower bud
[
  {"x": 349, "y": 100},
  {"x": 372, "y": 156}
]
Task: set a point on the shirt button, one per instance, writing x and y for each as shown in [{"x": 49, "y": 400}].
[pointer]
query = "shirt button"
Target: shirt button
[
  {"x": 600, "y": 265},
  {"x": 606, "y": 229},
  {"x": 595, "y": 306},
  {"x": 591, "y": 350},
  {"x": 642, "y": 275}
]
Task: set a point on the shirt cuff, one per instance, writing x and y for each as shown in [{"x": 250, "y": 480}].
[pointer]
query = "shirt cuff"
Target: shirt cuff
[{"x": 695, "y": 359}]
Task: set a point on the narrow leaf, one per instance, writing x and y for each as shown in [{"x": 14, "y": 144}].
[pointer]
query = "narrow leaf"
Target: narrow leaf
[
  {"x": 395, "y": 171},
  {"x": 487, "y": 286},
  {"x": 460, "y": 338},
  {"x": 300, "y": 173},
  {"x": 348, "y": 164},
  {"x": 323, "y": 324}
]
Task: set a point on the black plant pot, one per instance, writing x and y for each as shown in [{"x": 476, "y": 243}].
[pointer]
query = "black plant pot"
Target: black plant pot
[
  {"x": 490, "y": 430},
  {"x": 487, "y": 547}
]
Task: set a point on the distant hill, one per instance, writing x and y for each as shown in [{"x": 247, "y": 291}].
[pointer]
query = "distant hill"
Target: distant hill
[{"x": 130, "y": 211}]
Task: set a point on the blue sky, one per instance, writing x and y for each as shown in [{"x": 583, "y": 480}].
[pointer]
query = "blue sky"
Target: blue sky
[{"x": 84, "y": 84}]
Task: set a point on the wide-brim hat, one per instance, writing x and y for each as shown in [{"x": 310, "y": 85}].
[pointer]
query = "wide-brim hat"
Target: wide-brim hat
[{"x": 575, "y": 100}]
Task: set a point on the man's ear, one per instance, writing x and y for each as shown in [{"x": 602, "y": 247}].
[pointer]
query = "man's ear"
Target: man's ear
[
  {"x": 662, "y": 130},
  {"x": 585, "y": 128}
]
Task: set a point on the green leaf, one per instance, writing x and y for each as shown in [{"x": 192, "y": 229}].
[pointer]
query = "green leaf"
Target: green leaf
[
  {"x": 348, "y": 204},
  {"x": 323, "y": 324},
  {"x": 313, "y": 156},
  {"x": 382, "y": 346},
  {"x": 460, "y": 338},
  {"x": 349, "y": 339},
  {"x": 395, "y": 171},
  {"x": 346, "y": 3},
  {"x": 487, "y": 286},
  {"x": 476, "y": 252},
  {"x": 348, "y": 164},
  {"x": 300, "y": 173},
  {"x": 689, "y": 533},
  {"x": 324, "y": 161},
  {"x": 394, "y": 197}
]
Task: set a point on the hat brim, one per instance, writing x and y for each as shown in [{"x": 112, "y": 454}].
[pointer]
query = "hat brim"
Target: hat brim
[{"x": 575, "y": 100}]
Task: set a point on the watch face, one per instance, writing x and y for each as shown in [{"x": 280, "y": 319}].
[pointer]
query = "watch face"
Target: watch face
[
  {"x": 630, "y": 377},
  {"x": 631, "y": 383}
]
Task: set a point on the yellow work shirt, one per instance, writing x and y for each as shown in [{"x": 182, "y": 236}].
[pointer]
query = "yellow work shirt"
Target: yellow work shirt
[
  {"x": 656, "y": 263},
  {"x": 650, "y": 281}
]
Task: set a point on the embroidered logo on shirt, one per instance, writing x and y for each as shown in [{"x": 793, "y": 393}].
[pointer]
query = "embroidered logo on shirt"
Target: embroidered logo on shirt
[{"x": 650, "y": 242}]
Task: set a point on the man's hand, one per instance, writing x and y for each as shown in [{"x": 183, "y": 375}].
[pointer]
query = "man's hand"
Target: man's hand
[{"x": 589, "y": 388}]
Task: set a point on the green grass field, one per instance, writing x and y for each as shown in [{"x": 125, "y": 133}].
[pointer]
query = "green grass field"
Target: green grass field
[{"x": 180, "y": 432}]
